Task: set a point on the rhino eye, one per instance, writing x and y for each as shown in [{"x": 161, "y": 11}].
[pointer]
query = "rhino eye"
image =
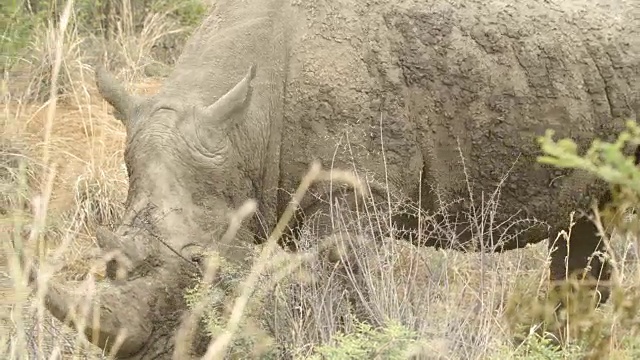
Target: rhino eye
[{"x": 196, "y": 259}]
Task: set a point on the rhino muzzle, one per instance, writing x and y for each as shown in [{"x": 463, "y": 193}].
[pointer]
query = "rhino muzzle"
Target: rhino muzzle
[
  {"x": 120, "y": 315},
  {"x": 111, "y": 314}
]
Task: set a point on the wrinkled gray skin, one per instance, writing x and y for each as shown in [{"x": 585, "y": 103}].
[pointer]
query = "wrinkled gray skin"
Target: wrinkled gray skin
[{"x": 490, "y": 76}]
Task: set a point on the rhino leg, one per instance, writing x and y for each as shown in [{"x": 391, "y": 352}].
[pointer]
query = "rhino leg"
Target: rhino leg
[{"x": 580, "y": 253}]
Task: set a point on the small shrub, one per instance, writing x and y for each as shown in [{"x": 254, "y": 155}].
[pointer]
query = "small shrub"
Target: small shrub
[
  {"x": 252, "y": 340},
  {"x": 187, "y": 12},
  {"x": 366, "y": 342},
  {"x": 579, "y": 322},
  {"x": 606, "y": 161},
  {"x": 18, "y": 26},
  {"x": 540, "y": 347}
]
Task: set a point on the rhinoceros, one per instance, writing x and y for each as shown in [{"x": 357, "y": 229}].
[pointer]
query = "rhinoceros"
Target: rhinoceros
[{"x": 435, "y": 100}]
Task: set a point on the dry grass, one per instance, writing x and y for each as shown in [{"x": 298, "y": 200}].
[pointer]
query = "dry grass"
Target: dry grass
[
  {"x": 62, "y": 172},
  {"x": 70, "y": 148}
]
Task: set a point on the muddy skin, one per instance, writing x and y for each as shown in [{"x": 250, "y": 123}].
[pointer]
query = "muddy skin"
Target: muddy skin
[{"x": 264, "y": 87}]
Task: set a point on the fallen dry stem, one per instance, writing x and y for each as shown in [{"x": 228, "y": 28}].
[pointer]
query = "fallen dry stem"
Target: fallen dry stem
[
  {"x": 615, "y": 265},
  {"x": 40, "y": 222},
  {"x": 57, "y": 63}
]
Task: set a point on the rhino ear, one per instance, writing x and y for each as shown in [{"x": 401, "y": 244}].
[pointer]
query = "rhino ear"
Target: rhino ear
[
  {"x": 115, "y": 94},
  {"x": 233, "y": 101}
]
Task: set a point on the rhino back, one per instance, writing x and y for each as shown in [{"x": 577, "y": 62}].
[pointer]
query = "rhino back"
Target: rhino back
[{"x": 486, "y": 77}]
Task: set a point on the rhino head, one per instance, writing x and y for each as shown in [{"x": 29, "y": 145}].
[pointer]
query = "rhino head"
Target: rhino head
[{"x": 185, "y": 176}]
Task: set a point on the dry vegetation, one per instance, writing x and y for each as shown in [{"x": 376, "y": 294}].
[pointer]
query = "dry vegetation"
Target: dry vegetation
[{"x": 62, "y": 173}]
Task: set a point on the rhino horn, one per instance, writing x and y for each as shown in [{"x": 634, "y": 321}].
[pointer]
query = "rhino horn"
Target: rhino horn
[
  {"x": 115, "y": 94},
  {"x": 233, "y": 101},
  {"x": 120, "y": 308}
]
